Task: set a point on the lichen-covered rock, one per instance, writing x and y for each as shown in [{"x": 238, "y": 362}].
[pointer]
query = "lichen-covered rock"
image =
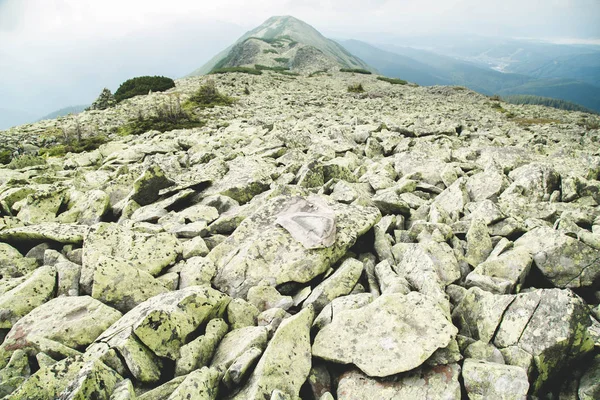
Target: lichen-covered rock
[
  {"x": 564, "y": 261},
  {"x": 201, "y": 384},
  {"x": 439, "y": 382},
  {"x": 198, "y": 352},
  {"x": 56, "y": 232},
  {"x": 71, "y": 322},
  {"x": 37, "y": 288},
  {"x": 13, "y": 264},
  {"x": 350, "y": 302},
  {"x": 393, "y": 334},
  {"x": 121, "y": 285},
  {"x": 485, "y": 380},
  {"x": 241, "y": 313},
  {"x": 541, "y": 331},
  {"x": 502, "y": 274},
  {"x": 148, "y": 253},
  {"x": 479, "y": 243},
  {"x": 246, "y": 177},
  {"x": 264, "y": 297},
  {"x": 163, "y": 322},
  {"x": 71, "y": 378},
  {"x": 14, "y": 373},
  {"x": 236, "y": 343},
  {"x": 239, "y": 369},
  {"x": 340, "y": 283},
  {"x": 260, "y": 250},
  {"x": 286, "y": 362}
]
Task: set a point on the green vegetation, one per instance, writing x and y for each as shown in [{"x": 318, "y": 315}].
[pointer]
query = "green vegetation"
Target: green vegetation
[
  {"x": 316, "y": 73},
  {"x": 74, "y": 146},
  {"x": 267, "y": 51},
  {"x": 393, "y": 81},
  {"x": 5, "y": 156},
  {"x": 545, "y": 101},
  {"x": 535, "y": 121},
  {"x": 283, "y": 60},
  {"x": 266, "y": 68},
  {"x": 357, "y": 88},
  {"x": 244, "y": 70},
  {"x": 498, "y": 107},
  {"x": 26, "y": 160},
  {"x": 356, "y": 71},
  {"x": 142, "y": 85},
  {"x": 207, "y": 97}
]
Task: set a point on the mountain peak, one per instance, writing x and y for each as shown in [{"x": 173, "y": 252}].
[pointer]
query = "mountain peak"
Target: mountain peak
[{"x": 284, "y": 42}]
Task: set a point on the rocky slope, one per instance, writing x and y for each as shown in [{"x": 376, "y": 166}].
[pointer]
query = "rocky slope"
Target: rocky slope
[
  {"x": 284, "y": 42},
  {"x": 308, "y": 242}
]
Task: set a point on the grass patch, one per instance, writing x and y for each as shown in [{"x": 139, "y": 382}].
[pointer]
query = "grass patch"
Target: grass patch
[
  {"x": 74, "y": 146},
  {"x": 356, "y": 71},
  {"x": 283, "y": 60},
  {"x": 26, "y": 160},
  {"x": 358, "y": 88},
  {"x": 267, "y": 51},
  {"x": 393, "y": 81},
  {"x": 243, "y": 70}
]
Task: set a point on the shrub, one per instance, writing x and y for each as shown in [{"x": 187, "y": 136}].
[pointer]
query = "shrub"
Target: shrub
[
  {"x": 282, "y": 60},
  {"x": 393, "y": 81},
  {"x": 358, "y": 88},
  {"x": 356, "y": 71},
  {"x": 26, "y": 160},
  {"x": 267, "y": 51},
  {"x": 319, "y": 72},
  {"x": 266, "y": 68},
  {"x": 244, "y": 70},
  {"x": 288, "y": 73},
  {"x": 143, "y": 85},
  {"x": 208, "y": 96}
]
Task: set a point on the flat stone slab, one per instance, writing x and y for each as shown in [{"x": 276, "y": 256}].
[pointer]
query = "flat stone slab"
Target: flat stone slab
[{"x": 393, "y": 334}]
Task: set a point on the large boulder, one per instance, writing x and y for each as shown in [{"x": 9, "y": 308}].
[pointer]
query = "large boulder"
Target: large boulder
[
  {"x": 542, "y": 331},
  {"x": 62, "y": 326},
  {"x": 434, "y": 383},
  {"x": 486, "y": 380},
  {"x": 260, "y": 250},
  {"x": 563, "y": 260},
  {"x": 393, "y": 334},
  {"x": 109, "y": 243},
  {"x": 37, "y": 288},
  {"x": 164, "y": 322}
]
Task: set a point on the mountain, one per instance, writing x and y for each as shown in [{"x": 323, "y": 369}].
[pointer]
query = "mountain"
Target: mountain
[
  {"x": 284, "y": 42},
  {"x": 430, "y": 68},
  {"x": 65, "y": 111},
  {"x": 10, "y": 117}
]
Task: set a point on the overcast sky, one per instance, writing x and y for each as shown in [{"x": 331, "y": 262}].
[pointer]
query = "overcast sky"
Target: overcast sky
[{"x": 55, "y": 53}]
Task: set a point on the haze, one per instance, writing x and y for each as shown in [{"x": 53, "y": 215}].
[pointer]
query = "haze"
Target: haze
[{"x": 58, "y": 53}]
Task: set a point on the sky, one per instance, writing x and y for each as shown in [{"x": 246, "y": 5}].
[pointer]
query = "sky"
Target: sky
[{"x": 57, "y": 53}]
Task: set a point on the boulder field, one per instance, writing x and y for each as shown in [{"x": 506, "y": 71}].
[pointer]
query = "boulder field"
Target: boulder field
[{"x": 307, "y": 243}]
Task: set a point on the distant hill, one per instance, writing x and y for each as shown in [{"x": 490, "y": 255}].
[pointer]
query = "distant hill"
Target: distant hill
[
  {"x": 545, "y": 101},
  {"x": 429, "y": 68},
  {"x": 65, "y": 111},
  {"x": 284, "y": 42}
]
